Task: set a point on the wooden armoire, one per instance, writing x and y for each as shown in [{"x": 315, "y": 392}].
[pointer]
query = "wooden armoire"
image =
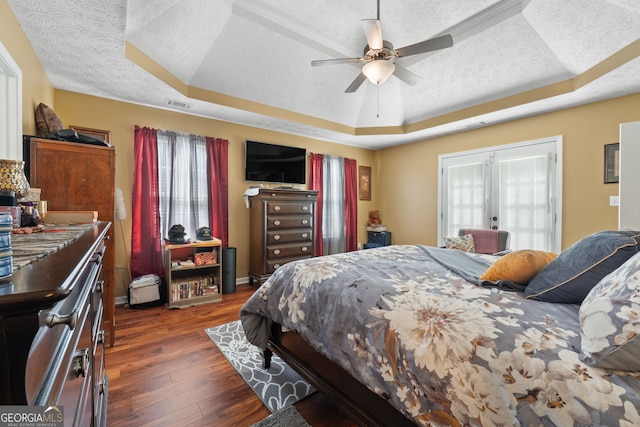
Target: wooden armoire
[{"x": 75, "y": 177}]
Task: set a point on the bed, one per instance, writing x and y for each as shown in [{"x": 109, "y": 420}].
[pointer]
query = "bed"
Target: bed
[{"x": 408, "y": 334}]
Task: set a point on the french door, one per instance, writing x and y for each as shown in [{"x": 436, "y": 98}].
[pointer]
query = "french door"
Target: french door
[{"x": 515, "y": 187}]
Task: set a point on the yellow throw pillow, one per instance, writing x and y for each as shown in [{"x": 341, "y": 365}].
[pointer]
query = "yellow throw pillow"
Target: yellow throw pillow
[{"x": 518, "y": 266}]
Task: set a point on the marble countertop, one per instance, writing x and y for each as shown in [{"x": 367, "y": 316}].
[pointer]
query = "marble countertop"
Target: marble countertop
[{"x": 28, "y": 248}]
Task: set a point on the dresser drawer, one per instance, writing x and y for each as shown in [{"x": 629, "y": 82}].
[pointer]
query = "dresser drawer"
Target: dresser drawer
[
  {"x": 289, "y": 236},
  {"x": 286, "y": 207},
  {"x": 277, "y": 222},
  {"x": 57, "y": 337},
  {"x": 294, "y": 250},
  {"x": 273, "y": 265}
]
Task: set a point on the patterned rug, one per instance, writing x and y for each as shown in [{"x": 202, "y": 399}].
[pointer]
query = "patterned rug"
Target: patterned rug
[
  {"x": 277, "y": 387},
  {"x": 288, "y": 417}
]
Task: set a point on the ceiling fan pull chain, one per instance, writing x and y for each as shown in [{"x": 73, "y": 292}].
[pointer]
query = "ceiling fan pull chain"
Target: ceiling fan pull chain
[{"x": 378, "y": 100}]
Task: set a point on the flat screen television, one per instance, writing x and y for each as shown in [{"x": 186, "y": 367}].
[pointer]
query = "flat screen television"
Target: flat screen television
[{"x": 275, "y": 163}]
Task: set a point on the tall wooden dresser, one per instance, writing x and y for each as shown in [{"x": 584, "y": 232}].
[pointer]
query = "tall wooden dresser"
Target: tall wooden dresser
[
  {"x": 75, "y": 177},
  {"x": 282, "y": 229}
]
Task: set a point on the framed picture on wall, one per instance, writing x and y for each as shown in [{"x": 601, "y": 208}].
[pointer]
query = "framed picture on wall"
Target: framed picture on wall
[
  {"x": 611, "y": 163},
  {"x": 364, "y": 173}
]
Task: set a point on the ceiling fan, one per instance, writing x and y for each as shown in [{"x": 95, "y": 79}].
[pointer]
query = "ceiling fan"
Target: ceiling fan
[{"x": 380, "y": 56}]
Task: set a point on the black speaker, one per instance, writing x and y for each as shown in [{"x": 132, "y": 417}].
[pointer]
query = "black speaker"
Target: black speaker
[{"x": 228, "y": 270}]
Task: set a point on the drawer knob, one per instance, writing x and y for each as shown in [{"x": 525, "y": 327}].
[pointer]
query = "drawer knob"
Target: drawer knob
[
  {"x": 305, "y": 222},
  {"x": 276, "y": 252},
  {"x": 276, "y": 222},
  {"x": 276, "y": 266},
  {"x": 70, "y": 319},
  {"x": 80, "y": 362},
  {"x": 304, "y": 235},
  {"x": 305, "y": 208},
  {"x": 276, "y": 208},
  {"x": 276, "y": 237},
  {"x": 100, "y": 337},
  {"x": 305, "y": 249}
]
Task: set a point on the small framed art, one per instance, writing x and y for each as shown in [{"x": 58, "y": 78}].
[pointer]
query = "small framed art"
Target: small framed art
[
  {"x": 364, "y": 173},
  {"x": 611, "y": 163}
]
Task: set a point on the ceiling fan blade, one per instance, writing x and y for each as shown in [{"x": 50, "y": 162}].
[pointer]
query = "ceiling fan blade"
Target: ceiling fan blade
[
  {"x": 356, "y": 83},
  {"x": 318, "y": 62},
  {"x": 406, "y": 76},
  {"x": 441, "y": 42},
  {"x": 373, "y": 32}
]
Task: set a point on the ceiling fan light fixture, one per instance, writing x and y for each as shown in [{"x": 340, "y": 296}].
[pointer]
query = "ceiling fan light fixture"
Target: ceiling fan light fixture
[{"x": 378, "y": 71}]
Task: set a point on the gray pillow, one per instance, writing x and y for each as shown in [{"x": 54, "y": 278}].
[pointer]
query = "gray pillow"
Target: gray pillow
[
  {"x": 609, "y": 320},
  {"x": 569, "y": 278}
]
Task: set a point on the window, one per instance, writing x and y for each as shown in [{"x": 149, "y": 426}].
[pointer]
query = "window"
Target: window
[
  {"x": 182, "y": 181},
  {"x": 516, "y": 188},
  {"x": 333, "y": 204}
]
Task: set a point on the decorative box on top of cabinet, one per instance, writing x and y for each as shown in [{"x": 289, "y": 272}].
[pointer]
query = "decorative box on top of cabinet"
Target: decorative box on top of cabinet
[
  {"x": 193, "y": 272},
  {"x": 281, "y": 229},
  {"x": 75, "y": 177}
]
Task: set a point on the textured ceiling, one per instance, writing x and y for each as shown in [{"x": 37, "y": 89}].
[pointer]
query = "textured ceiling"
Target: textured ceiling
[{"x": 248, "y": 61}]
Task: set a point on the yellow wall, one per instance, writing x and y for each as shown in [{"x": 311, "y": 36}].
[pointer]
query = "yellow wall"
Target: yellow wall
[
  {"x": 120, "y": 118},
  {"x": 407, "y": 176},
  {"x": 36, "y": 87}
]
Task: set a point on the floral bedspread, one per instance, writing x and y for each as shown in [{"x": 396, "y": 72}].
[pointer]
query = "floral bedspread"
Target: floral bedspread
[{"x": 442, "y": 350}]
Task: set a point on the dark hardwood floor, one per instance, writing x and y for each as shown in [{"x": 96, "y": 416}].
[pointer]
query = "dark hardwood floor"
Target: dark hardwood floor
[{"x": 165, "y": 371}]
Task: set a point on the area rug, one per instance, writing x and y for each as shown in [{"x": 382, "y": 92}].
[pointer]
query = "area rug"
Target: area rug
[
  {"x": 277, "y": 387},
  {"x": 287, "y": 417}
]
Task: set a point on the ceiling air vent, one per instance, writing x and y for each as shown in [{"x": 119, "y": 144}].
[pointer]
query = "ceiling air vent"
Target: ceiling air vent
[{"x": 179, "y": 104}]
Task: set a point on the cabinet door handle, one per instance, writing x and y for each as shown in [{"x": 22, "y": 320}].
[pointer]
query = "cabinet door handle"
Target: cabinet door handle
[
  {"x": 276, "y": 222},
  {"x": 305, "y": 222},
  {"x": 276, "y": 252},
  {"x": 70, "y": 319},
  {"x": 304, "y": 235},
  {"x": 102, "y": 387},
  {"x": 304, "y": 249},
  {"x": 305, "y": 208},
  {"x": 81, "y": 362},
  {"x": 276, "y": 208},
  {"x": 276, "y": 237}
]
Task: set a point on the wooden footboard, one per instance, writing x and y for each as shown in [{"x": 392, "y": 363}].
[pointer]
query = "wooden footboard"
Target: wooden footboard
[{"x": 356, "y": 400}]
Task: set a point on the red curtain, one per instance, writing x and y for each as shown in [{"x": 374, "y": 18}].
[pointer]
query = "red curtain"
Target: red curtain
[
  {"x": 315, "y": 183},
  {"x": 218, "y": 174},
  {"x": 146, "y": 246},
  {"x": 351, "y": 204}
]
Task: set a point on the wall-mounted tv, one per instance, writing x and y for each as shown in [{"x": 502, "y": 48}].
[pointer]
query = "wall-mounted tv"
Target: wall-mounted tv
[{"x": 275, "y": 163}]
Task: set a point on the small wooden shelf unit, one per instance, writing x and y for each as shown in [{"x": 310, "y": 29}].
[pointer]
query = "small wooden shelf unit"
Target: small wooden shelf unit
[{"x": 190, "y": 284}]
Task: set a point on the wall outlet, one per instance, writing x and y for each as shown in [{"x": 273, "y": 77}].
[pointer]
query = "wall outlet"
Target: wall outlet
[{"x": 614, "y": 200}]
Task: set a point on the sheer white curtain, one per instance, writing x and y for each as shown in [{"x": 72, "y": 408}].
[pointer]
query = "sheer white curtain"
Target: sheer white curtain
[
  {"x": 467, "y": 197},
  {"x": 333, "y": 205},
  {"x": 182, "y": 181}
]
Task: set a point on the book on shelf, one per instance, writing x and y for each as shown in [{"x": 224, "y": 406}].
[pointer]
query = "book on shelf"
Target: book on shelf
[{"x": 194, "y": 287}]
